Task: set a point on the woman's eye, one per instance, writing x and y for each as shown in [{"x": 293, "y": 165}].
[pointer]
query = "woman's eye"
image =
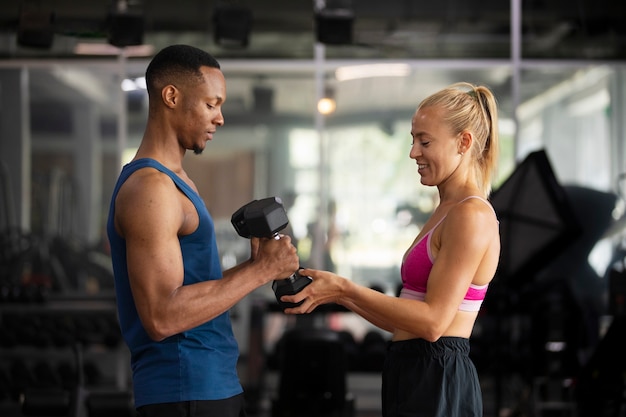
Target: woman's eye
[{"x": 421, "y": 143}]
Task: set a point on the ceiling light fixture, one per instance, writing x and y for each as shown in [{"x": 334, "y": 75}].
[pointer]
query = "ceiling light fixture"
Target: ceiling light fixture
[
  {"x": 353, "y": 72},
  {"x": 35, "y": 27},
  {"x": 105, "y": 49},
  {"x": 129, "y": 84},
  {"x": 334, "y": 26},
  {"x": 232, "y": 25},
  {"x": 327, "y": 104},
  {"x": 125, "y": 24}
]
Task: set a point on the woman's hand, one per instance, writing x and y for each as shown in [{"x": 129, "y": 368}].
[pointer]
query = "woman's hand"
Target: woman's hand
[{"x": 325, "y": 288}]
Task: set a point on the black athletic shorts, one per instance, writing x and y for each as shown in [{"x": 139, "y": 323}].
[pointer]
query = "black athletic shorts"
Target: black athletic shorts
[
  {"x": 230, "y": 407},
  {"x": 424, "y": 379}
]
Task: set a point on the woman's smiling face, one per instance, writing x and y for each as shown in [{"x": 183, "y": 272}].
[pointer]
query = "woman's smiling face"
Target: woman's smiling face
[{"x": 435, "y": 148}]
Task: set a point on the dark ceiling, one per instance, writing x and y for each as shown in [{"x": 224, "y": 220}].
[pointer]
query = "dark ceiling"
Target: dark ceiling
[
  {"x": 444, "y": 42},
  {"x": 285, "y": 29}
]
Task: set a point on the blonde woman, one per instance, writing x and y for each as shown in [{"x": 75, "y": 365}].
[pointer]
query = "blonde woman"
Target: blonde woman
[{"x": 445, "y": 272}]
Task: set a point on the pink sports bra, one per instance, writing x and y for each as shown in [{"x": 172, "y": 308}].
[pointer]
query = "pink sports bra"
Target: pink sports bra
[{"x": 416, "y": 268}]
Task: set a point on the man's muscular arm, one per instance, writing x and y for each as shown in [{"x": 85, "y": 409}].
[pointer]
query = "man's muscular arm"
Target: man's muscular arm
[{"x": 150, "y": 215}]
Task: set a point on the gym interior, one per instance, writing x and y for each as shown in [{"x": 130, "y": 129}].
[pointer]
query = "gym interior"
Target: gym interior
[{"x": 73, "y": 107}]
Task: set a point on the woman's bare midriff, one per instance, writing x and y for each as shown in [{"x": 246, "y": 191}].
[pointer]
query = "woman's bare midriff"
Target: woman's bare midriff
[{"x": 461, "y": 326}]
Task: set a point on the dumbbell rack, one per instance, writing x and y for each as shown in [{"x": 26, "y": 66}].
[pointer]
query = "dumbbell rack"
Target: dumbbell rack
[{"x": 39, "y": 342}]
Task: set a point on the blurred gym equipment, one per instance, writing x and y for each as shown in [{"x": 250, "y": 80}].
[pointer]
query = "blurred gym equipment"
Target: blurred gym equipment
[
  {"x": 313, "y": 370},
  {"x": 56, "y": 306}
]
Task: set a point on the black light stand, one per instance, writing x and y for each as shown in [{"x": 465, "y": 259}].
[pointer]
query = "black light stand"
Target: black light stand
[{"x": 537, "y": 223}]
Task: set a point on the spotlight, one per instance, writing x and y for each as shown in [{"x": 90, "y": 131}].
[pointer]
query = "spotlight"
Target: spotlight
[
  {"x": 35, "y": 27},
  {"x": 327, "y": 104},
  {"x": 125, "y": 26},
  {"x": 125, "y": 29},
  {"x": 334, "y": 26},
  {"x": 232, "y": 25}
]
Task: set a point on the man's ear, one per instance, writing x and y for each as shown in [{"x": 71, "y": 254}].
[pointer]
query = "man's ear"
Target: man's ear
[{"x": 169, "y": 94}]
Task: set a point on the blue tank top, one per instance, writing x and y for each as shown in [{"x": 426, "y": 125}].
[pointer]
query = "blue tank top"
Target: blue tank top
[{"x": 199, "y": 364}]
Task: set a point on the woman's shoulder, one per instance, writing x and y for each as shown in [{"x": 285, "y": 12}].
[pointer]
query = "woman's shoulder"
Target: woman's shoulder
[
  {"x": 473, "y": 212},
  {"x": 473, "y": 203}
]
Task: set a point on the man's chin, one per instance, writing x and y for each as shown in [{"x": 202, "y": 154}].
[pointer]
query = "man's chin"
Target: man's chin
[{"x": 197, "y": 150}]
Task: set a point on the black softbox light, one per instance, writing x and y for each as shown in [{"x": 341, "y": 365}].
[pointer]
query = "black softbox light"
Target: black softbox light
[
  {"x": 35, "y": 28},
  {"x": 334, "y": 26},
  {"x": 536, "y": 220},
  {"x": 126, "y": 28},
  {"x": 232, "y": 25}
]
